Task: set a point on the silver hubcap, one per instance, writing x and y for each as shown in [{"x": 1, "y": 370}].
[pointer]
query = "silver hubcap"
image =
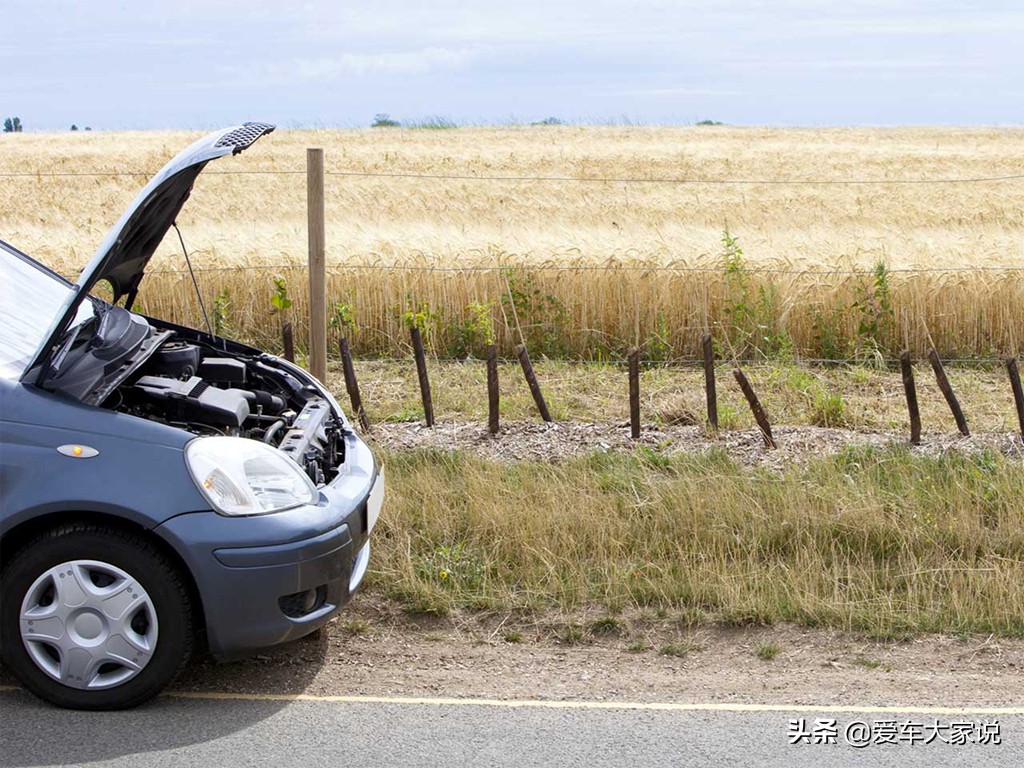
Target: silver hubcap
[{"x": 88, "y": 624}]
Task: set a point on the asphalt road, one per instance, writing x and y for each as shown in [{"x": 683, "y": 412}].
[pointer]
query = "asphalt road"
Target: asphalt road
[{"x": 284, "y": 732}]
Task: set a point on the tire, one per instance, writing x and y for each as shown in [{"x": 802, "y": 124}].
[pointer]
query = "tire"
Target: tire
[{"x": 99, "y": 602}]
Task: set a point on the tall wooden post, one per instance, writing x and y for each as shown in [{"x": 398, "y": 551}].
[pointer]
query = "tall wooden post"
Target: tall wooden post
[
  {"x": 709, "y": 381},
  {"x": 317, "y": 264},
  {"x": 756, "y": 408},
  {"x": 532, "y": 383},
  {"x": 493, "y": 394},
  {"x": 1018, "y": 391},
  {"x": 910, "y": 390},
  {"x": 947, "y": 392},
  {"x": 634, "y": 393},
  {"x": 421, "y": 372}
]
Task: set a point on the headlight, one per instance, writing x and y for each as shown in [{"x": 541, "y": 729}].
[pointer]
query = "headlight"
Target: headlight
[{"x": 246, "y": 477}]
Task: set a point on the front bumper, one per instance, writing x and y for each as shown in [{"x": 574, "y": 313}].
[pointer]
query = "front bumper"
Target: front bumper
[{"x": 269, "y": 579}]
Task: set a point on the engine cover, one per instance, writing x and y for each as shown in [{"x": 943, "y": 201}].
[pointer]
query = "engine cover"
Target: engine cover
[{"x": 193, "y": 400}]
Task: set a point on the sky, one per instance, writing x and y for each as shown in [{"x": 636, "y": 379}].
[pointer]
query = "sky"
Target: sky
[{"x": 198, "y": 64}]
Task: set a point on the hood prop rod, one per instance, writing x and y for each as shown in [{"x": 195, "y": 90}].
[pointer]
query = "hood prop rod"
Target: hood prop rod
[{"x": 199, "y": 294}]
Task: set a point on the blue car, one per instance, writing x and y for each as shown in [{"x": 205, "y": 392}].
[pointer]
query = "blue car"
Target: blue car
[{"x": 161, "y": 488}]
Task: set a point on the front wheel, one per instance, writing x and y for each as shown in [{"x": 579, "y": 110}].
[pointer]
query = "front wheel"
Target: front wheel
[{"x": 94, "y": 618}]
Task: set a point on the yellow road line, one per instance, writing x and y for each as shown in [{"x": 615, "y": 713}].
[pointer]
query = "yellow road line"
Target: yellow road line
[
  {"x": 628, "y": 705},
  {"x": 621, "y": 705}
]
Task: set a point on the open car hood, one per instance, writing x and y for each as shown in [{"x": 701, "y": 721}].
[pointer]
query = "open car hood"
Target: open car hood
[{"x": 124, "y": 253}]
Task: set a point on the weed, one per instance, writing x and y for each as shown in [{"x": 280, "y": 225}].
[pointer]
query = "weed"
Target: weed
[
  {"x": 828, "y": 410},
  {"x": 512, "y": 637},
  {"x": 767, "y": 651},
  {"x": 863, "y": 661},
  {"x": 221, "y": 312},
  {"x": 475, "y": 333},
  {"x": 541, "y": 316},
  {"x": 573, "y": 634},
  {"x": 343, "y": 319},
  {"x": 754, "y": 325},
  {"x": 280, "y": 302},
  {"x": 637, "y": 646},
  {"x": 607, "y": 625},
  {"x": 421, "y": 318},
  {"x": 681, "y": 648},
  {"x": 877, "y": 317},
  {"x": 658, "y": 344},
  {"x": 355, "y": 627}
]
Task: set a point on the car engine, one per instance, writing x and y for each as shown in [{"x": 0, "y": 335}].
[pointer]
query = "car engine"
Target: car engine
[{"x": 197, "y": 387}]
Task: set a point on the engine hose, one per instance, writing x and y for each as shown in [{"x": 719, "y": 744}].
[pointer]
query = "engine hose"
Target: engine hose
[{"x": 272, "y": 430}]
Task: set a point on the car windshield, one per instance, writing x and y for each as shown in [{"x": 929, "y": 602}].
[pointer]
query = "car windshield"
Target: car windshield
[{"x": 30, "y": 299}]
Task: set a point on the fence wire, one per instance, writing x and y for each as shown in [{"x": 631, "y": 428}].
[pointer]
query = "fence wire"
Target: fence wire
[{"x": 516, "y": 179}]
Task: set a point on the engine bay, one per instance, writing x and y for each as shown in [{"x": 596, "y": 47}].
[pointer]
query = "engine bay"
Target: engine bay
[{"x": 195, "y": 386}]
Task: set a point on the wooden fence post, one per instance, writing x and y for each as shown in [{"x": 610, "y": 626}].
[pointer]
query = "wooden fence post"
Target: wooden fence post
[
  {"x": 910, "y": 390},
  {"x": 531, "y": 381},
  {"x": 421, "y": 372},
  {"x": 351, "y": 384},
  {"x": 289, "y": 342},
  {"x": 947, "y": 392},
  {"x": 1018, "y": 393},
  {"x": 634, "y": 393},
  {"x": 711, "y": 395},
  {"x": 493, "y": 394},
  {"x": 317, "y": 264},
  {"x": 755, "y": 406}
]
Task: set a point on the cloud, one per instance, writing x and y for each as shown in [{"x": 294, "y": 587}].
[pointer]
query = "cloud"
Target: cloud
[
  {"x": 683, "y": 91},
  {"x": 333, "y": 67}
]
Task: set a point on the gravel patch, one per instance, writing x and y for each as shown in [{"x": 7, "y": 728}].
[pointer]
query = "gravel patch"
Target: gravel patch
[{"x": 553, "y": 442}]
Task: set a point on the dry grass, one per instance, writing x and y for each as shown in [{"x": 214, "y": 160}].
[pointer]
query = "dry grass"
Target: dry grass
[
  {"x": 882, "y": 541},
  {"x": 252, "y": 220}
]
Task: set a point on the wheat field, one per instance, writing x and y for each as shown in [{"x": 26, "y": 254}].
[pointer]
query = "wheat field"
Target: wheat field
[{"x": 600, "y": 265}]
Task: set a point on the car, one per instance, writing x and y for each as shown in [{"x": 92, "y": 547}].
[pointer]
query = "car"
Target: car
[{"x": 162, "y": 489}]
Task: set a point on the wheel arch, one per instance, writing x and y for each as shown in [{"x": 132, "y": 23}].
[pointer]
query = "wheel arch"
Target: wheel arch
[{"x": 14, "y": 539}]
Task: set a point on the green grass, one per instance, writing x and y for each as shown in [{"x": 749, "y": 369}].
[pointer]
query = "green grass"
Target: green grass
[
  {"x": 768, "y": 650},
  {"x": 888, "y": 542}
]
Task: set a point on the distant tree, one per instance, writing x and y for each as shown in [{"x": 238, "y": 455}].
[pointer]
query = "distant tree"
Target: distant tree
[
  {"x": 88, "y": 128},
  {"x": 74, "y": 127},
  {"x": 383, "y": 120},
  {"x": 12, "y": 125},
  {"x": 549, "y": 121}
]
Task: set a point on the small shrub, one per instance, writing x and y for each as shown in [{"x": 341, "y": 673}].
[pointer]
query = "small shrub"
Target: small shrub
[
  {"x": 877, "y": 317},
  {"x": 512, "y": 637},
  {"x": 280, "y": 303},
  {"x": 542, "y": 316},
  {"x": 767, "y": 651},
  {"x": 343, "y": 319},
  {"x": 474, "y": 334},
  {"x": 754, "y": 320},
  {"x": 637, "y": 646},
  {"x": 830, "y": 342},
  {"x": 383, "y": 120}
]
